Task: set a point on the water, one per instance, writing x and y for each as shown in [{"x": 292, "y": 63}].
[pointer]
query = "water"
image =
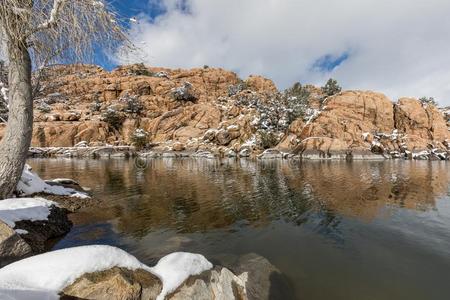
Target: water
[{"x": 337, "y": 230}]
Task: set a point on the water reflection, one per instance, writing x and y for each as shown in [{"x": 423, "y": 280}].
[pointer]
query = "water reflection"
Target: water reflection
[{"x": 190, "y": 196}]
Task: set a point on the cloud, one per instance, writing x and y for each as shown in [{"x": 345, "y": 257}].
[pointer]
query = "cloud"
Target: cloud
[{"x": 401, "y": 47}]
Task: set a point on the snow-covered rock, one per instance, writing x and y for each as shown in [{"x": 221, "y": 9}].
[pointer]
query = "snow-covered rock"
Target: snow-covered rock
[
  {"x": 44, "y": 276},
  {"x": 175, "y": 268},
  {"x": 30, "y": 183},
  {"x": 37, "y": 220},
  {"x": 20, "y": 209}
]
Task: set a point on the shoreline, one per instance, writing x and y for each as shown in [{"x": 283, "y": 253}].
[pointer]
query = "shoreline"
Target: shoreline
[{"x": 268, "y": 154}]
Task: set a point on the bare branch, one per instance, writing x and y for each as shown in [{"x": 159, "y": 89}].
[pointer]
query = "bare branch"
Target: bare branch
[
  {"x": 54, "y": 14},
  {"x": 49, "y": 26}
]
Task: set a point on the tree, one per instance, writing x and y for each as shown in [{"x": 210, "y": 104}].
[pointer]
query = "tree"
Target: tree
[
  {"x": 331, "y": 87},
  {"x": 35, "y": 33},
  {"x": 428, "y": 101}
]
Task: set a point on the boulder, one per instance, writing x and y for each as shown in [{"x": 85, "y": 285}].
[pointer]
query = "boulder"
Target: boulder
[
  {"x": 116, "y": 283},
  {"x": 257, "y": 279},
  {"x": 423, "y": 124},
  {"x": 348, "y": 115},
  {"x": 218, "y": 283},
  {"x": 178, "y": 146},
  {"x": 12, "y": 246},
  {"x": 264, "y": 280},
  {"x": 38, "y": 233}
]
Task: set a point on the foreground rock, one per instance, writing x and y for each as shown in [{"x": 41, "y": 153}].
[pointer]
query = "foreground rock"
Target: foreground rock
[
  {"x": 97, "y": 272},
  {"x": 219, "y": 283},
  {"x": 12, "y": 246},
  {"x": 115, "y": 283},
  {"x": 35, "y": 220},
  {"x": 38, "y": 233}
]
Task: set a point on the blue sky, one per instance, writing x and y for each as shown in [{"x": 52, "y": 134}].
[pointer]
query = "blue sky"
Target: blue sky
[{"x": 127, "y": 9}]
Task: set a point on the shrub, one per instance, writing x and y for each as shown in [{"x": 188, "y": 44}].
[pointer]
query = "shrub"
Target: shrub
[
  {"x": 236, "y": 88},
  {"x": 184, "y": 92},
  {"x": 113, "y": 117},
  {"x": 428, "y": 101},
  {"x": 133, "y": 104},
  {"x": 96, "y": 106},
  {"x": 268, "y": 139},
  {"x": 141, "y": 70},
  {"x": 297, "y": 101},
  {"x": 140, "y": 138},
  {"x": 331, "y": 87}
]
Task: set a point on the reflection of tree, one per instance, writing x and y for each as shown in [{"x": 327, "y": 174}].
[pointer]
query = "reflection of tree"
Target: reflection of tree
[{"x": 195, "y": 196}]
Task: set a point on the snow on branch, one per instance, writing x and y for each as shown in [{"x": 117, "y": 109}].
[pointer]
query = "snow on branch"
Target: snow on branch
[{"x": 54, "y": 14}]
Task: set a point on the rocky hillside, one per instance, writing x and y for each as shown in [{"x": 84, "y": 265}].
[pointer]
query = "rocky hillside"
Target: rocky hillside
[{"x": 213, "y": 110}]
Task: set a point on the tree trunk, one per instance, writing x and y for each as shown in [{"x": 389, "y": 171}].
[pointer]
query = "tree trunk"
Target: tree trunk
[{"x": 17, "y": 139}]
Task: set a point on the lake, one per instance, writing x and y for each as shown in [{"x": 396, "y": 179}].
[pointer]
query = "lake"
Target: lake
[{"x": 335, "y": 229}]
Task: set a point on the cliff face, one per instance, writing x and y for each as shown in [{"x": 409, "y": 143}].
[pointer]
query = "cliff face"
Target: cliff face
[{"x": 212, "y": 109}]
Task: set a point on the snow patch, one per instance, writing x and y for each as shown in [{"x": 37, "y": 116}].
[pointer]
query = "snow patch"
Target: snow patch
[
  {"x": 175, "y": 268},
  {"x": 30, "y": 184},
  {"x": 18, "y": 209}
]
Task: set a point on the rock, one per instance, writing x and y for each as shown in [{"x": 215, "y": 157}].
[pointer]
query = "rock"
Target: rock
[
  {"x": 263, "y": 280},
  {"x": 116, "y": 283},
  {"x": 244, "y": 152},
  {"x": 208, "y": 108},
  {"x": 40, "y": 232},
  {"x": 270, "y": 154},
  {"x": 322, "y": 148},
  {"x": 12, "y": 246},
  {"x": 422, "y": 124},
  {"x": 218, "y": 283},
  {"x": 178, "y": 146}
]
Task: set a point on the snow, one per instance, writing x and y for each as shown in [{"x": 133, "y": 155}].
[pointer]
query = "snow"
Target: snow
[
  {"x": 44, "y": 276},
  {"x": 18, "y": 209},
  {"x": 21, "y": 231},
  {"x": 233, "y": 127},
  {"x": 175, "y": 268},
  {"x": 30, "y": 184},
  {"x": 49, "y": 273},
  {"x": 365, "y": 135},
  {"x": 313, "y": 116}
]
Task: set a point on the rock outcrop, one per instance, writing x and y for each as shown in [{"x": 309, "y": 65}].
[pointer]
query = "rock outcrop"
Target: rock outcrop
[{"x": 207, "y": 109}]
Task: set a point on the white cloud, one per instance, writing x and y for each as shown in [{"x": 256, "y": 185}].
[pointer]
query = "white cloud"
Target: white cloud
[{"x": 401, "y": 47}]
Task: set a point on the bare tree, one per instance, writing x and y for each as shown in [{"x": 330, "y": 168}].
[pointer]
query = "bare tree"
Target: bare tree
[{"x": 36, "y": 32}]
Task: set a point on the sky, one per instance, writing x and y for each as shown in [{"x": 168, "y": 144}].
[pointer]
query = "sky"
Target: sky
[{"x": 397, "y": 47}]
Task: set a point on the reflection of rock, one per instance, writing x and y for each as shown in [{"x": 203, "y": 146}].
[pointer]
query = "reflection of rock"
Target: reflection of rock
[
  {"x": 12, "y": 246},
  {"x": 116, "y": 283}
]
